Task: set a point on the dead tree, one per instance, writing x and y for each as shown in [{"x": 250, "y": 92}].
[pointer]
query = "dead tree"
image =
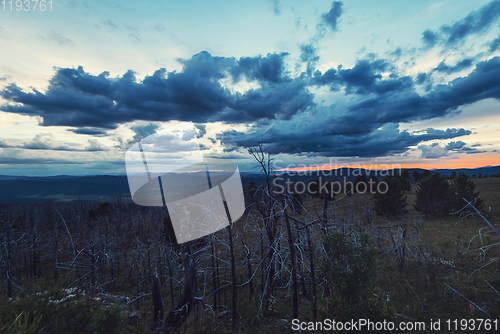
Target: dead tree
[
  {"x": 266, "y": 206},
  {"x": 249, "y": 267},
  {"x": 233, "y": 276},
  {"x": 292, "y": 259},
  {"x": 180, "y": 313},
  {"x": 313, "y": 276},
  {"x": 157, "y": 302}
]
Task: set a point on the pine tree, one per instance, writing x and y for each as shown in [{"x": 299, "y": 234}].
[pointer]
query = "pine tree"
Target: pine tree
[
  {"x": 416, "y": 176},
  {"x": 434, "y": 197},
  {"x": 393, "y": 201},
  {"x": 463, "y": 187}
]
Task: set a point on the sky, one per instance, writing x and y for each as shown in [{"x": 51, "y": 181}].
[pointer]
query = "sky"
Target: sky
[{"x": 408, "y": 83}]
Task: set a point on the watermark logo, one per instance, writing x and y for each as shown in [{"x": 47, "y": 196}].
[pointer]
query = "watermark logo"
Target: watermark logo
[{"x": 202, "y": 194}]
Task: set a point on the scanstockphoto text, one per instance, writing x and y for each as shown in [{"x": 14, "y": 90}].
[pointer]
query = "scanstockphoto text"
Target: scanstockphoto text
[
  {"x": 321, "y": 186},
  {"x": 335, "y": 169},
  {"x": 332, "y": 178}
]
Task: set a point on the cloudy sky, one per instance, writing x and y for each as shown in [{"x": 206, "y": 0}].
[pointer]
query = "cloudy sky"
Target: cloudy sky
[{"x": 415, "y": 83}]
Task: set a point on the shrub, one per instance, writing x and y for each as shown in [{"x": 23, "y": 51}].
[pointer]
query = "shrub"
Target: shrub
[
  {"x": 348, "y": 269},
  {"x": 22, "y": 324},
  {"x": 58, "y": 312}
]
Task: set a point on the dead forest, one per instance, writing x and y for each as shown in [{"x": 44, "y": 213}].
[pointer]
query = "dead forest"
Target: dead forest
[{"x": 114, "y": 267}]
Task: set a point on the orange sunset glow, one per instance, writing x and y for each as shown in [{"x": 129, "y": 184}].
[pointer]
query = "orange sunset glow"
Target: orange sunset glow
[{"x": 480, "y": 160}]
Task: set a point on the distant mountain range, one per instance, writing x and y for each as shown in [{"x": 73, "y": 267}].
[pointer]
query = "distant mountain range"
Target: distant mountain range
[{"x": 68, "y": 188}]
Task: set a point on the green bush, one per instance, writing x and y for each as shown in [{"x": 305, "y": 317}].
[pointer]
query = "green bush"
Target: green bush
[
  {"x": 22, "y": 324},
  {"x": 58, "y": 313},
  {"x": 348, "y": 269},
  {"x": 436, "y": 196}
]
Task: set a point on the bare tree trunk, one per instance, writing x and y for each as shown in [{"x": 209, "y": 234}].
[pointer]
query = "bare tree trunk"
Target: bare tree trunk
[
  {"x": 325, "y": 216},
  {"x": 157, "y": 302},
  {"x": 170, "y": 274},
  {"x": 313, "y": 276},
  {"x": 9, "y": 279},
  {"x": 214, "y": 275},
  {"x": 263, "y": 266},
  {"x": 292, "y": 259},
  {"x": 403, "y": 250},
  {"x": 233, "y": 277},
  {"x": 249, "y": 268},
  {"x": 300, "y": 264},
  {"x": 217, "y": 273},
  {"x": 181, "y": 312}
]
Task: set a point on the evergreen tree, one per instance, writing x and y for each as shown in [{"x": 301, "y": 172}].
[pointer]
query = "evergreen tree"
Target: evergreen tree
[
  {"x": 416, "y": 176},
  {"x": 361, "y": 183},
  {"x": 404, "y": 183},
  {"x": 434, "y": 197},
  {"x": 463, "y": 187},
  {"x": 393, "y": 201}
]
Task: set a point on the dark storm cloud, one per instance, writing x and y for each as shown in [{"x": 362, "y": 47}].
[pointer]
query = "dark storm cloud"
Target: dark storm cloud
[
  {"x": 288, "y": 98},
  {"x": 429, "y": 38},
  {"x": 331, "y": 18},
  {"x": 495, "y": 44},
  {"x": 422, "y": 78},
  {"x": 280, "y": 110},
  {"x": 459, "y": 146},
  {"x": 263, "y": 69},
  {"x": 364, "y": 127},
  {"x": 463, "y": 64},
  {"x": 455, "y": 145},
  {"x": 329, "y": 78},
  {"x": 387, "y": 140},
  {"x": 308, "y": 53},
  {"x": 482, "y": 83},
  {"x": 475, "y": 22},
  {"x": 142, "y": 131},
  {"x": 79, "y": 99},
  {"x": 364, "y": 78},
  {"x": 89, "y": 131}
]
